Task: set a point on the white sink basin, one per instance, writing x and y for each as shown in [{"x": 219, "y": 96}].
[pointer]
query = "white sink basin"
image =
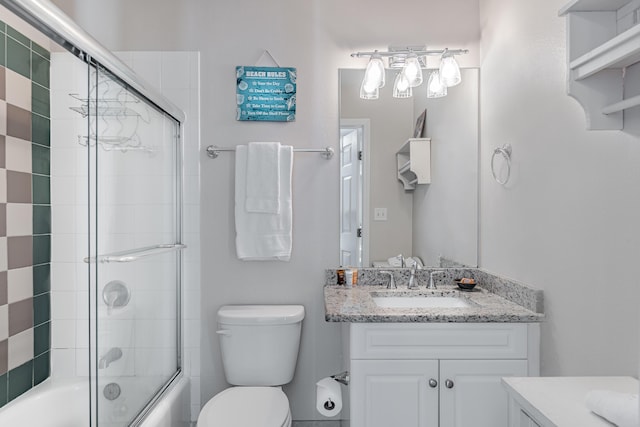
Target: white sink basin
[{"x": 420, "y": 302}]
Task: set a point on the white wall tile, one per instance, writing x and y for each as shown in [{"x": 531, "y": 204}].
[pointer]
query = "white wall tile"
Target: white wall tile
[
  {"x": 3, "y": 117},
  {"x": 18, "y": 154},
  {"x": 63, "y": 248},
  {"x": 19, "y": 284},
  {"x": 63, "y": 305},
  {"x": 63, "y": 363},
  {"x": 18, "y": 90},
  {"x": 63, "y": 334},
  {"x": 20, "y": 348},
  {"x": 63, "y": 276},
  {"x": 19, "y": 219},
  {"x": 63, "y": 219}
]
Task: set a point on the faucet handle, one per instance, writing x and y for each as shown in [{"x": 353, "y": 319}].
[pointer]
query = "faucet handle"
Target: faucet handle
[
  {"x": 392, "y": 282},
  {"x": 432, "y": 283}
]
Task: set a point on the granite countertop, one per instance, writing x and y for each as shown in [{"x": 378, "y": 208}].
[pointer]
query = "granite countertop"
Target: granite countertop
[{"x": 356, "y": 305}]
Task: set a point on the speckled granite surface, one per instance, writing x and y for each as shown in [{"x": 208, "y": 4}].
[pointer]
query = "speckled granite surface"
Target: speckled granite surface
[{"x": 494, "y": 299}]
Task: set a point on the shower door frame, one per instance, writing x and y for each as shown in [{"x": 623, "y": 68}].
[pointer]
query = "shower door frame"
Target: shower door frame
[{"x": 53, "y": 23}]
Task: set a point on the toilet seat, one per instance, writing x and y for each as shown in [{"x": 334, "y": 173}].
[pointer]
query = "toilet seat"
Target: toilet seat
[{"x": 246, "y": 406}]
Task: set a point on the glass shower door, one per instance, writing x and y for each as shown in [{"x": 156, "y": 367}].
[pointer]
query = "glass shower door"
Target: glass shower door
[{"x": 135, "y": 240}]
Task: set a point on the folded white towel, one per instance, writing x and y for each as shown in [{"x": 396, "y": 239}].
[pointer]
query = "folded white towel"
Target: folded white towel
[
  {"x": 620, "y": 409},
  {"x": 263, "y": 177},
  {"x": 396, "y": 261},
  {"x": 264, "y": 236}
]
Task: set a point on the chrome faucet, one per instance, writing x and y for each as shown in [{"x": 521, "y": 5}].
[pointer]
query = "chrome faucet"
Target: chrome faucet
[
  {"x": 432, "y": 283},
  {"x": 392, "y": 282},
  {"x": 110, "y": 356},
  {"x": 413, "y": 280}
]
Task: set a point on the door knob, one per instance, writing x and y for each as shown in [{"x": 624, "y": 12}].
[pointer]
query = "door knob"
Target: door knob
[
  {"x": 433, "y": 383},
  {"x": 448, "y": 384}
]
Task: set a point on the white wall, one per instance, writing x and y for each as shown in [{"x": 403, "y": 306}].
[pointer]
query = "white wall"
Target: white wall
[
  {"x": 567, "y": 222},
  {"x": 316, "y": 37}
]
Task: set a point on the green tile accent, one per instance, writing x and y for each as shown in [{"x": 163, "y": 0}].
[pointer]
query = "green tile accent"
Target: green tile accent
[
  {"x": 40, "y": 159},
  {"x": 41, "y": 190},
  {"x": 40, "y": 70},
  {"x": 40, "y": 100},
  {"x": 3, "y": 49},
  {"x": 41, "y": 309},
  {"x": 18, "y": 58},
  {"x": 41, "y": 279},
  {"x": 3, "y": 27},
  {"x": 11, "y": 32},
  {"x": 41, "y": 249},
  {"x": 41, "y": 338},
  {"x": 3, "y": 389},
  {"x": 40, "y": 130},
  {"x": 40, "y": 50},
  {"x": 41, "y": 368},
  {"x": 20, "y": 380},
  {"x": 41, "y": 219}
]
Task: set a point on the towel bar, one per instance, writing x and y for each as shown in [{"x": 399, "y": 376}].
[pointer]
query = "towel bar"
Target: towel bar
[{"x": 327, "y": 153}]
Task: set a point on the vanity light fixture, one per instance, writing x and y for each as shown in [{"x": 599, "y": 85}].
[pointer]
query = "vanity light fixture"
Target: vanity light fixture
[{"x": 411, "y": 60}]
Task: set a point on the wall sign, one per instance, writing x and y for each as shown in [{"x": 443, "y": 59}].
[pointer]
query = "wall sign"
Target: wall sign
[{"x": 266, "y": 94}]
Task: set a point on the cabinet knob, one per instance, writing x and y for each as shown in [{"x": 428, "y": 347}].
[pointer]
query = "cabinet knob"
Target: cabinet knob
[
  {"x": 448, "y": 384},
  {"x": 433, "y": 383}
]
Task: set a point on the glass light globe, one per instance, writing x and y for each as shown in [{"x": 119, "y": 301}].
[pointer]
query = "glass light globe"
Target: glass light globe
[
  {"x": 449, "y": 70},
  {"x": 368, "y": 91},
  {"x": 435, "y": 87},
  {"x": 401, "y": 87},
  {"x": 374, "y": 74},
  {"x": 412, "y": 70}
]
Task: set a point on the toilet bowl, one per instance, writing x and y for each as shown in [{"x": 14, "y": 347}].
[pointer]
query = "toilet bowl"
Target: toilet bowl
[
  {"x": 247, "y": 406},
  {"x": 259, "y": 346}
]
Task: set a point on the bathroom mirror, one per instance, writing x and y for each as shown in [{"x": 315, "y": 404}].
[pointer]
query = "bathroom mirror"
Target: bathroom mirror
[{"x": 437, "y": 222}]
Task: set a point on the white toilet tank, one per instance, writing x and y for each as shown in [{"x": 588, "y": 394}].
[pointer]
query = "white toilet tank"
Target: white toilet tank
[{"x": 259, "y": 343}]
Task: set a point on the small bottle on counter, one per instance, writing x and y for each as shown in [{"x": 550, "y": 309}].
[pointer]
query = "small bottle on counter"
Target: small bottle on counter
[
  {"x": 348, "y": 278},
  {"x": 340, "y": 274},
  {"x": 355, "y": 276}
]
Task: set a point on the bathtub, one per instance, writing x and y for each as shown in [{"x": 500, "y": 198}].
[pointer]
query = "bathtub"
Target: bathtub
[{"x": 65, "y": 403}]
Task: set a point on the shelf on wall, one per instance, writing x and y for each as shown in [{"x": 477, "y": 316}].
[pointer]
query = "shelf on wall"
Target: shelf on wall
[
  {"x": 603, "y": 40},
  {"x": 621, "y": 51},
  {"x": 414, "y": 162}
]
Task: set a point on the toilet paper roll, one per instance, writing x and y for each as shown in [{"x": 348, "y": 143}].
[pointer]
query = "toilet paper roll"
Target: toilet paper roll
[{"x": 328, "y": 397}]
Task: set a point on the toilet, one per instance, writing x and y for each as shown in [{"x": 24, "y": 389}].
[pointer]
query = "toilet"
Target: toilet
[{"x": 259, "y": 346}]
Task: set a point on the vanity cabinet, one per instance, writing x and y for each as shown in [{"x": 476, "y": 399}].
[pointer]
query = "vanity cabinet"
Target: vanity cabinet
[
  {"x": 431, "y": 374},
  {"x": 414, "y": 162},
  {"x": 603, "y": 51}
]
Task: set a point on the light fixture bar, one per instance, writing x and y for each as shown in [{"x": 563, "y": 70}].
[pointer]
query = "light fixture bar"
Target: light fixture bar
[{"x": 429, "y": 52}]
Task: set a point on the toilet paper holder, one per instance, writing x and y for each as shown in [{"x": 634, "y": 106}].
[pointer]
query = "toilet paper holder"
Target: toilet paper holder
[{"x": 342, "y": 377}]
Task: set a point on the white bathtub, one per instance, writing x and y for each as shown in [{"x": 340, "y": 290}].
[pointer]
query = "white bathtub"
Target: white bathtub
[{"x": 65, "y": 403}]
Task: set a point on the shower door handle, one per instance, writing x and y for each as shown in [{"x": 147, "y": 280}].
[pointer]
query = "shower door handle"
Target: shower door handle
[{"x": 136, "y": 254}]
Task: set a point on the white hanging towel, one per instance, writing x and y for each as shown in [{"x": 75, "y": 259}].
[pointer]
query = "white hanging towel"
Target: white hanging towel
[
  {"x": 262, "y": 236},
  {"x": 263, "y": 177}
]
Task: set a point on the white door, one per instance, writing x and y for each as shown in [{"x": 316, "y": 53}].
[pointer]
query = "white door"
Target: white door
[
  {"x": 390, "y": 393},
  {"x": 350, "y": 199},
  {"x": 471, "y": 393}
]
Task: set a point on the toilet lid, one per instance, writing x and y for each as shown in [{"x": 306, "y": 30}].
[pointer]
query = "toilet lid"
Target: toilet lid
[{"x": 246, "y": 406}]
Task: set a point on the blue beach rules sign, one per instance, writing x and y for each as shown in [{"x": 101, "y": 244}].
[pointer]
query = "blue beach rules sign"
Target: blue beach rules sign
[{"x": 266, "y": 94}]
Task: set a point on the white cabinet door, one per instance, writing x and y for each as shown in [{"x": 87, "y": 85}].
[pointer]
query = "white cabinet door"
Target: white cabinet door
[
  {"x": 387, "y": 393},
  {"x": 471, "y": 393}
]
